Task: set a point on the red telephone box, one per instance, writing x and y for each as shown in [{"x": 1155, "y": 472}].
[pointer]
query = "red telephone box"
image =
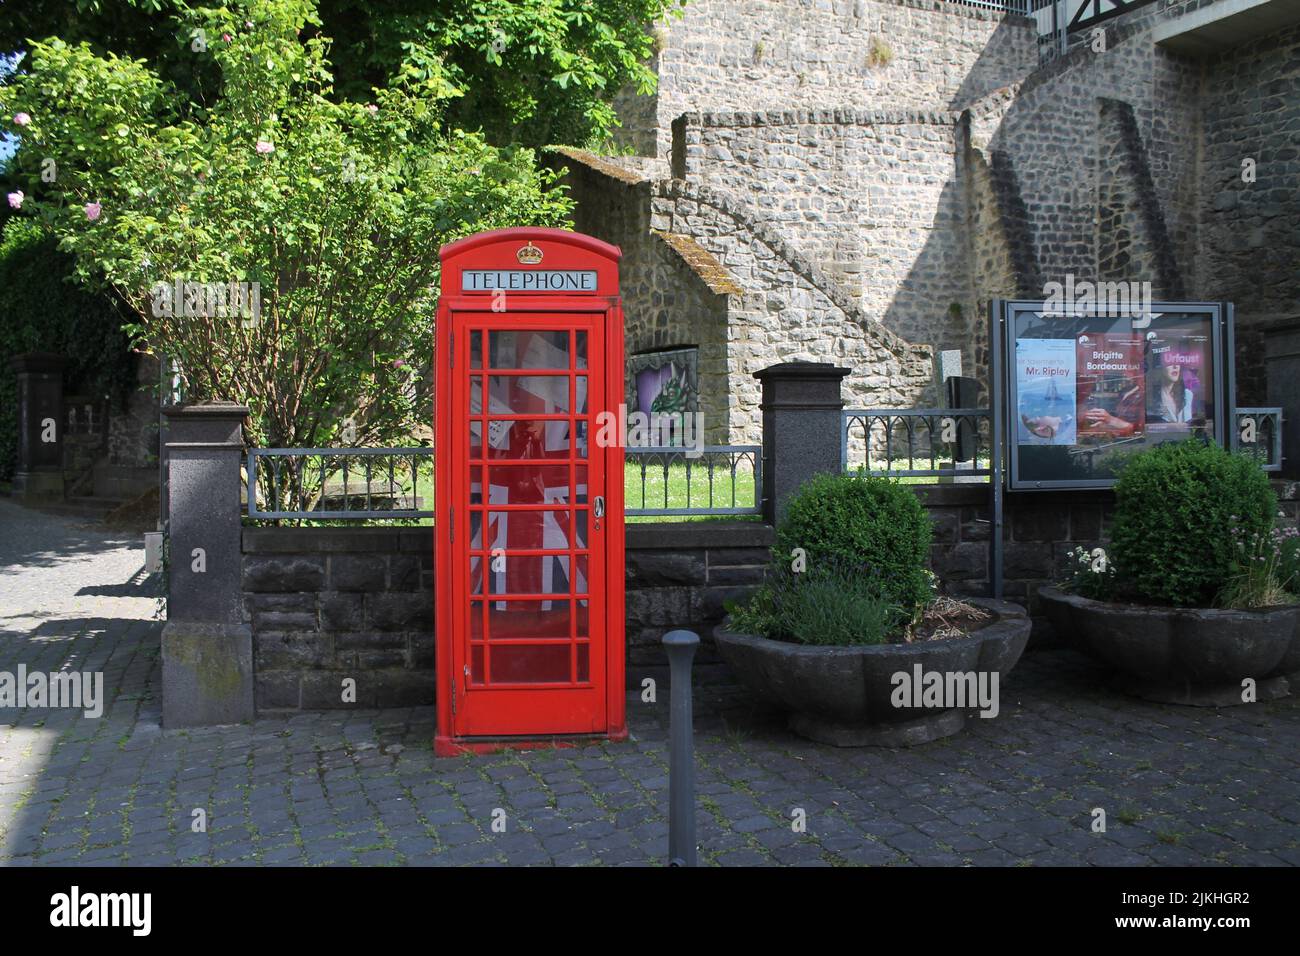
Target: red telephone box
[{"x": 528, "y": 523}]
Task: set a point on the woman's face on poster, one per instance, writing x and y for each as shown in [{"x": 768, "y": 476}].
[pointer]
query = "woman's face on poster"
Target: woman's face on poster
[{"x": 1172, "y": 372}]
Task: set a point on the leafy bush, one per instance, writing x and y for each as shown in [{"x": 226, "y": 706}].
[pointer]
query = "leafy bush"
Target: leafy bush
[
  {"x": 42, "y": 311},
  {"x": 871, "y": 524},
  {"x": 835, "y": 605},
  {"x": 1182, "y": 513}
]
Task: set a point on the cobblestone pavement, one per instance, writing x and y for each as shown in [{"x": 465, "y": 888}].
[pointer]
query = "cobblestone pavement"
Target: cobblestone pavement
[{"x": 1179, "y": 785}]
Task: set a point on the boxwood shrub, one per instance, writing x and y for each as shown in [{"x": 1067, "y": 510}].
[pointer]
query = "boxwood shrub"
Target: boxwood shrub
[
  {"x": 1181, "y": 509},
  {"x": 873, "y": 525}
]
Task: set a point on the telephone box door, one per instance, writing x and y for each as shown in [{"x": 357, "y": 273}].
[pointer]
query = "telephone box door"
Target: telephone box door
[{"x": 530, "y": 555}]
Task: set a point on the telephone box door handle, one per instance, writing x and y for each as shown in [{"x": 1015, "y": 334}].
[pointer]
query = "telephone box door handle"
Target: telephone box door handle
[{"x": 598, "y": 509}]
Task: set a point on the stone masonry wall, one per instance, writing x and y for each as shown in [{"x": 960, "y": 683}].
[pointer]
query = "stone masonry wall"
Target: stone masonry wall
[
  {"x": 1053, "y": 136},
  {"x": 873, "y": 197},
  {"x": 327, "y": 604},
  {"x": 791, "y": 310},
  {"x": 1250, "y": 247},
  {"x": 785, "y": 54},
  {"x": 330, "y": 603}
]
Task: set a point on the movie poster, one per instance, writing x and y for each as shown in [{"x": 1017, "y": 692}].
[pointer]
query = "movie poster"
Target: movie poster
[
  {"x": 1111, "y": 399},
  {"x": 1177, "y": 370},
  {"x": 1045, "y": 391}
]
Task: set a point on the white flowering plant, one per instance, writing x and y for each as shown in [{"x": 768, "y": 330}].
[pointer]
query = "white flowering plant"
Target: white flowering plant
[{"x": 1090, "y": 574}]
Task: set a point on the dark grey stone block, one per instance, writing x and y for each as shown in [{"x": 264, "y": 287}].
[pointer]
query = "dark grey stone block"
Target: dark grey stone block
[
  {"x": 207, "y": 674},
  {"x": 278, "y": 690},
  {"x": 342, "y": 612},
  {"x": 292, "y": 650},
  {"x": 297, "y": 572},
  {"x": 351, "y": 572},
  {"x": 651, "y": 568},
  {"x": 400, "y": 611}
]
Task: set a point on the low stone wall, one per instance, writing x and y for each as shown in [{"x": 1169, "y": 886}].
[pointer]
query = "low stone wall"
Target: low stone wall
[
  {"x": 1039, "y": 530},
  {"x": 326, "y": 604},
  {"x": 330, "y": 603}
]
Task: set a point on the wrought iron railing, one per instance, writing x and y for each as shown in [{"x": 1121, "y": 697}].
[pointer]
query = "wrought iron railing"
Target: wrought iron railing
[
  {"x": 716, "y": 480},
  {"x": 340, "y": 483},
  {"x": 917, "y": 442},
  {"x": 373, "y": 484},
  {"x": 1258, "y": 433}
]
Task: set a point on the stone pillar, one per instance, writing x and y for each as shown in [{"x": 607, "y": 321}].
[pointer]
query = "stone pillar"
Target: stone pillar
[
  {"x": 802, "y": 428},
  {"x": 39, "y": 471},
  {"x": 207, "y": 649}
]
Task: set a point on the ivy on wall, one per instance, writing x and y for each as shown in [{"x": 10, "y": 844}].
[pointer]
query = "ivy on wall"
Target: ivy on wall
[{"x": 42, "y": 311}]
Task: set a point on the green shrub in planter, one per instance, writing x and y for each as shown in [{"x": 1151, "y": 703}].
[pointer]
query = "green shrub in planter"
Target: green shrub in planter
[
  {"x": 873, "y": 525},
  {"x": 832, "y": 605},
  {"x": 1182, "y": 510}
]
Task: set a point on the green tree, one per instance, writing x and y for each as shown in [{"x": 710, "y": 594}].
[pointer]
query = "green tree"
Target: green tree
[
  {"x": 332, "y": 212},
  {"x": 533, "y": 72}
]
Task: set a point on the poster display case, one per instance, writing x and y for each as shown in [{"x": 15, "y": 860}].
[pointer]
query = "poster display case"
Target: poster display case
[{"x": 1085, "y": 389}]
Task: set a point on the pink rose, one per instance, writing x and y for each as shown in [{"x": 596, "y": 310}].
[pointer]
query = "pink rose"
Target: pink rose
[
  {"x": 21, "y": 119},
  {"x": 225, "y": 38},
  {"x": 372, "y": 108},
  {"x": 93, "y": 209},
  {"x": 264, "y": 147},
  {"x": 398, "y": 363},
  {"x": 16, "y": 199}
]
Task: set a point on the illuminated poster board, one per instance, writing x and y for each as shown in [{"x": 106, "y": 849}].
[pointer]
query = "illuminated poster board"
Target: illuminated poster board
[{"x": 1084, "y": 390}]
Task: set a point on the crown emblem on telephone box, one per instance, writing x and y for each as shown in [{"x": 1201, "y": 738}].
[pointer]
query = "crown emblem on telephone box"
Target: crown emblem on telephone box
[{"x": 529, "y": 255}]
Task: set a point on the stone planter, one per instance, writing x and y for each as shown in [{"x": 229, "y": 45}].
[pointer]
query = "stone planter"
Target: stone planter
[
  {"x": 1197, "y": 656},
  {"x": 845, "y": 695}
]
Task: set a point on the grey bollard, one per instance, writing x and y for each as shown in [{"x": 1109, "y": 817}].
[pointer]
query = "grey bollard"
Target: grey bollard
[{"x": 681, "y": 647}]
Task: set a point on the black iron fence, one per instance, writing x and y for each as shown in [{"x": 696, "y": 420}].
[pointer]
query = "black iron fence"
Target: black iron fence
[
  {"x": 340, "y": 483},
  {"x": 377, "y": 484},
  {"x": 917, "y": 442},
  {"x": 714, "y": 480}
]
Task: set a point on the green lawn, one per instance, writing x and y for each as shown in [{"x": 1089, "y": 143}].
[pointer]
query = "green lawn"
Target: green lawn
[{"x": 676, "y": 489}]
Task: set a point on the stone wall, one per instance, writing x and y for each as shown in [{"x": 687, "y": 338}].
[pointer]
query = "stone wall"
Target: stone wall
[
  {"x": 873, "y": 197},
  {"x": 133, "y": 427},
  {"x": 326, "y": 604},
  {"x": 1040, "y": 530},
  {"x": 330, "y": 603},
  {"x": 702, "y": 267},
  {"x": 1250, "y": 245},
  {"x": 790, "y": 311},
  {"x": 785, "y": 54}
]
